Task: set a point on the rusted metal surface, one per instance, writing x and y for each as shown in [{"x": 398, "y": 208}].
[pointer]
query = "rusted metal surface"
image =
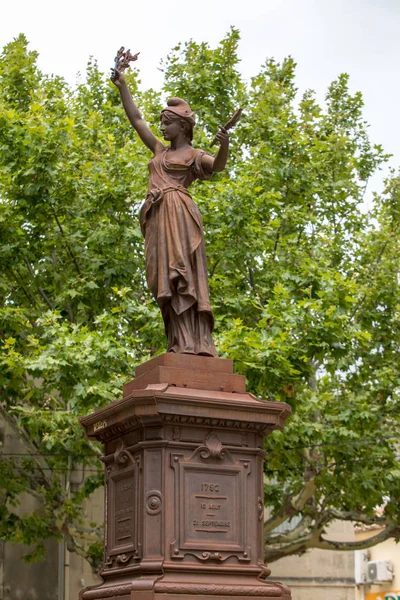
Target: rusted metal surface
[
  {"x": 184, "y": 489},
  {"x": 199, "y": 380},
  {"x": 176, "y": 265},
  {"x": 187, "y": 361}
]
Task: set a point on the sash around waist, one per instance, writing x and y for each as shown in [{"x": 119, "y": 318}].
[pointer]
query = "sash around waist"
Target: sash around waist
[{"x": 156, "y": 195}]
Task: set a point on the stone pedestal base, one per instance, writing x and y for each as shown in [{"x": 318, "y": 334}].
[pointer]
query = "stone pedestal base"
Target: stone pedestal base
[{"x": 183, "y": 484}]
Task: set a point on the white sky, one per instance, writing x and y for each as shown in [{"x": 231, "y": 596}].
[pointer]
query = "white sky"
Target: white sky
[{"x": 325, "y": 37}]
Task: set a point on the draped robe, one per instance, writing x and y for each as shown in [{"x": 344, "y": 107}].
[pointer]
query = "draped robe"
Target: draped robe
[{"x": 176, "y": 267}]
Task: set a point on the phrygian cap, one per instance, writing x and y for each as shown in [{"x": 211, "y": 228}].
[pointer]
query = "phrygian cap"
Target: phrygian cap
[{"x": 180, "y": 108}]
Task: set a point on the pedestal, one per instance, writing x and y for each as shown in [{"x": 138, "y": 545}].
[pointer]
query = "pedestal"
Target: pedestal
[{"x": 184, "y": 484}]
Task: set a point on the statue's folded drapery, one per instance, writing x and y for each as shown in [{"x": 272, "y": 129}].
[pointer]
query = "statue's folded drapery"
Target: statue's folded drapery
[{"x": 176, "y": 267}]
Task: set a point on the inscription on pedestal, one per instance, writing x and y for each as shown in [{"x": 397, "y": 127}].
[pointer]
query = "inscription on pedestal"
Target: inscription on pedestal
[
  {"x": 211, "y": 506},
  {"x": 124, "y": 508},
  {"x": 123, "y": 511},
  {"x": 210, "y": 502}
]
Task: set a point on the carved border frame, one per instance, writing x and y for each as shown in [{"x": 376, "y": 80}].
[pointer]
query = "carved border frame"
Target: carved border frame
[
  {"x": 201, "y": 461},
  {"x": 122, "y": 466}
]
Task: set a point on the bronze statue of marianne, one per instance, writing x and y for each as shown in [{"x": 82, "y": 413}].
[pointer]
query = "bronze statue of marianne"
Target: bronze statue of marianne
[{"x": 176, "y": 267}]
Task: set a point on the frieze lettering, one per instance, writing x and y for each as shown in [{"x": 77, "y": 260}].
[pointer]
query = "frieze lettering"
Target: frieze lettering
[
  {"x": 217, "y": 423},
  {"x": 99, "y": 425}
]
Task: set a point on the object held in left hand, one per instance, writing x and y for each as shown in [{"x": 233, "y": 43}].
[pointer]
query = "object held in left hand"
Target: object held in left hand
[
  {"x": 231, "y": 123},
  {"x": 122, "y": 60}
]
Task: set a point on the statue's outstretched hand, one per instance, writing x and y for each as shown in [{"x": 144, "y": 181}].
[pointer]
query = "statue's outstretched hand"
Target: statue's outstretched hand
[
  {"x": 117, "y": 78},
  {"x": 222, "y": 136}
]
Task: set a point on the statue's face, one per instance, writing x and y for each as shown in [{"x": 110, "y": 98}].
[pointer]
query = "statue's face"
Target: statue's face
[{"x": 170, "y": 128}]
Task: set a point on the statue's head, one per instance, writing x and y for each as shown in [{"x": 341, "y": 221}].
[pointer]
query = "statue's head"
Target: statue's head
[{"x": 179, "y": 110}]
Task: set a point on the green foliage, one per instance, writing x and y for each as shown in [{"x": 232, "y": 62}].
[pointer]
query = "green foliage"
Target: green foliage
[
  {"x": 207, "y": 78},
  {"x": 304, "y": 285}
]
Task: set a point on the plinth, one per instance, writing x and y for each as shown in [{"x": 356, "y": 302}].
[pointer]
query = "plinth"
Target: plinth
[{"x": 184, "y": 484}]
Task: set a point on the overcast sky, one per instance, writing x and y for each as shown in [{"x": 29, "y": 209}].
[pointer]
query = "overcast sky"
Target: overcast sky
[{"x": 325, "y": 37}]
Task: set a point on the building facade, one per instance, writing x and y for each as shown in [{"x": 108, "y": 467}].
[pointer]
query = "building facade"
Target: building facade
[{"x": 320, "y": 574}]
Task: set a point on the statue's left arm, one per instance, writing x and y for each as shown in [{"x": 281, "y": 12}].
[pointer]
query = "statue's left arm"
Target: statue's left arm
[{"x": 217, "y": 164}]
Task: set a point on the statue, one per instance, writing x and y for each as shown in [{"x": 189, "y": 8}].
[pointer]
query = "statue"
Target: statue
[{"x": 176, "y": 267}]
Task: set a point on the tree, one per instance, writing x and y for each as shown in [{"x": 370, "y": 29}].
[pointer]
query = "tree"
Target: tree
[{"x": 304, "y": 284}]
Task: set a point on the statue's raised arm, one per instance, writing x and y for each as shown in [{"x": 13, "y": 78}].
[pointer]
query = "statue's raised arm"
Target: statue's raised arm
[{"x": 122, "y": 61}]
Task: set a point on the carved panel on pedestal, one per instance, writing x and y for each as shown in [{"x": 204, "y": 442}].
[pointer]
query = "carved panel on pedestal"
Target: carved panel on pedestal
[
  {"x": 122, "y": 481},
  {"x": 210, "y": 500}
]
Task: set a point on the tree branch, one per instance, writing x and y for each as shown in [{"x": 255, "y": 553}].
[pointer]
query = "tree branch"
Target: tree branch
[
  {"x": 315, "y": 540},
  {"x": 18, "y": 279},
  {"x": 371, "y": 271},
  {"x": 300, "y": 530},
  {"x": 300, "y": 546},
  {"x": 392, "y": 531},
  {"x": 357, "y": 517},
  {"x": 34, "y": 481},
  {"x": 293, "y": 505},
  {"x": 72, "y": 255},
  {"x": 41, "y": 291},
  {"x": 73, "y": 545}
]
